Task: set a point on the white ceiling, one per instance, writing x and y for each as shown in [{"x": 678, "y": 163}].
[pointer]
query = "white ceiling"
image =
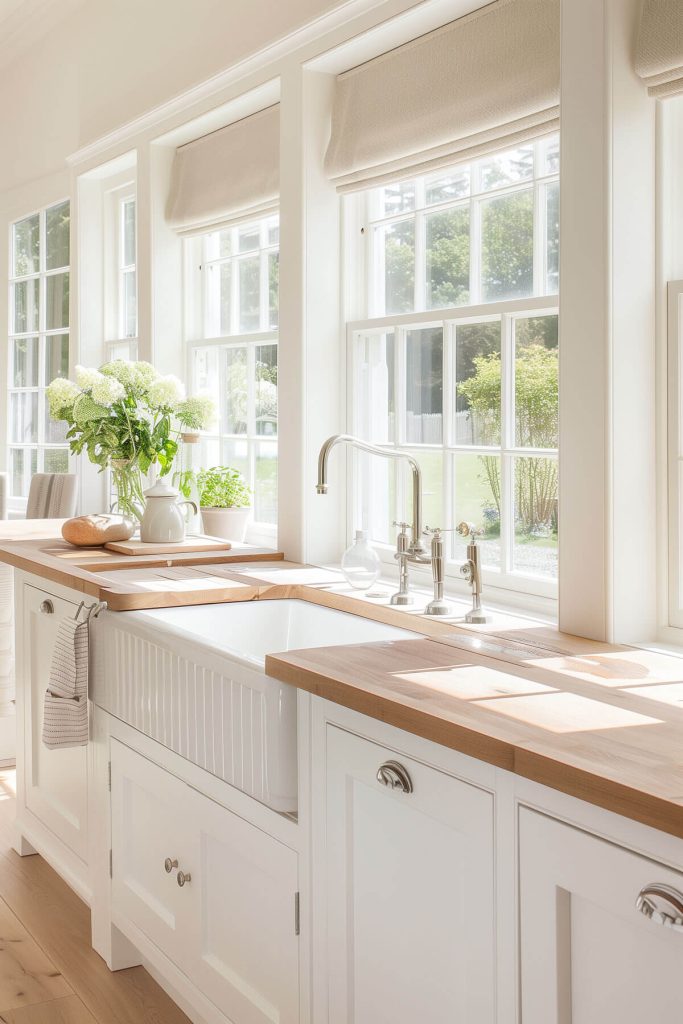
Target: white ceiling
[{"x": 23, "y": 22}]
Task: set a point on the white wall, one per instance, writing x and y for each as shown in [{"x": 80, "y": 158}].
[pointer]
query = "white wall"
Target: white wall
[{"x": 112, "y": 60}]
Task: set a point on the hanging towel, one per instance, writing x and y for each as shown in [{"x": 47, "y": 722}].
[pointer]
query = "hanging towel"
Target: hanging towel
[{"x": 65, "y": 720}]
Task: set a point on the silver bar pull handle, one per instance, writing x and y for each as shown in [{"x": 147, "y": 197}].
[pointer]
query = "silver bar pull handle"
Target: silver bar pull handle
[
  {"x": 662, "y": 904},
  {"x": 395, "y": 776}
]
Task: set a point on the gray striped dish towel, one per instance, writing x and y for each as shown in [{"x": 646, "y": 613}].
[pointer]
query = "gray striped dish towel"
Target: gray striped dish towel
[{"x": 65, "y": 707}]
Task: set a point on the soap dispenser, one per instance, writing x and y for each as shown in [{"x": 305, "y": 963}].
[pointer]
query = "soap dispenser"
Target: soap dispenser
[{"x": 360, "y": 563}]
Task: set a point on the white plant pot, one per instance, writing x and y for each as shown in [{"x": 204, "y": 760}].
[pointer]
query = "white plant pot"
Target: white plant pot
[{"x": 227, "y": 523}]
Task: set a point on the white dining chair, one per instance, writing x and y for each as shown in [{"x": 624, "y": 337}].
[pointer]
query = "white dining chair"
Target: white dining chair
[{"x": 52, "y": 496}]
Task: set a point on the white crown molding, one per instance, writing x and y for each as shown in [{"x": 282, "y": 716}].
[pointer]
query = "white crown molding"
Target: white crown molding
[
  {"x": 159, "y": 117},
  {"x": 30, "y": 21}
]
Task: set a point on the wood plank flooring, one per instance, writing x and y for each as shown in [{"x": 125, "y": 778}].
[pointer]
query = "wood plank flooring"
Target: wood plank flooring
[{"x": 49, "y": 973}]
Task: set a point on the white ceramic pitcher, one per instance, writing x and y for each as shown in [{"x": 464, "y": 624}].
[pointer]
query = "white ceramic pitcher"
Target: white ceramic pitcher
[{"x": 163, "y": 521}]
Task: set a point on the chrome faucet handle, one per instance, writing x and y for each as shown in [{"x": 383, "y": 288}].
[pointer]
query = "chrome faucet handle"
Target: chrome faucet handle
[
  {"x": 466, "y": 529},
  {"x": 402, "y": 526}
]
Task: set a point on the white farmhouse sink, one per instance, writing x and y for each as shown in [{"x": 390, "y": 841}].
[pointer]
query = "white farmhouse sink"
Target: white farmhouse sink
[
  {"x": 193, "y": 679},
  {"x": 249, "y": 630}
]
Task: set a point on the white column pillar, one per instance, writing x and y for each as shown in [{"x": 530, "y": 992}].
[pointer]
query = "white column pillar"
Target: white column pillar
[
  {"x": 607, "y": 365},
  {"x": 311, "y": 352}
]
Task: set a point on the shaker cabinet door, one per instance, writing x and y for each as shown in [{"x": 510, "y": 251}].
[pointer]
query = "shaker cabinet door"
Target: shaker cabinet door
[
  {"x": 588, "y": 954},
  {"x": 410, "y": 890}
]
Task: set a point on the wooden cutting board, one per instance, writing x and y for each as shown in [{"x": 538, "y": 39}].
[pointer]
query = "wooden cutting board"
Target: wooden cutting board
[{"x": 138, "y": 547}]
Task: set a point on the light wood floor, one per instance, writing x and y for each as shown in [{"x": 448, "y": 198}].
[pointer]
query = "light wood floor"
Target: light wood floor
[{"x": 49, "y": 974}]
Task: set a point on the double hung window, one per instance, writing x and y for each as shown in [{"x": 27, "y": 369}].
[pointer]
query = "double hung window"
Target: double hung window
[{"x": 456, "y": 360}]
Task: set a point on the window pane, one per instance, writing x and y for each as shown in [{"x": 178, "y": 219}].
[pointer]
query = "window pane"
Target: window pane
[
  {"x": 507, "y": 168},
  {"x": 377, "y": 496},
  {"x": 225, "y": 291},
  {"x": 130, "y": 304},
  {"x": 478, "y": 377},
  {"x": 374, "y": 388},
  {"x": 121, "y": 350},
  {"x": 24, "y": 417},
  {"x": 26, "y": 246},
  {"x": 250, "y": 311},
  {"x": 56, "y": 356},
  {"x": 236, "y": 390},
  {"x": 266, "y": 390},
  {"x": 273, "y": 227},
  {"x": 535, "y": 550},
  {"x": 273, "y": 289},
  {"x": 55, "y": 430},
  {"x": 431, "y": 464},
  {"x": 536, "y": 382},
  {"x": 236, "y": 455},
  {"x": 477, "y": 500},
  {"x": 57, "y": 301},
  {"x": 248, "y": 238},
  {"x": 424, "y": 386},
  {"x": 265, "y": 484},
  {"x": 128, "y": 226},
  {"x": 56, "y": 460},
  {"x": 397, "y": 198},
  {"x": 552, "y": 155},
  {"x": 206, "y": 371},
  {"x": 445, "y": 187},
  {"x": 25, "y": 363},
  {"x": 507, "y": 257},
  {"x": 23, "y": 465},
  {"x": 448, "y": 258},
  {"x": 552, "y": 234},
  {"x": 26, "y": 306},
  {"x": 396, "y": 249},
  {"x": 57, "y": 221}
]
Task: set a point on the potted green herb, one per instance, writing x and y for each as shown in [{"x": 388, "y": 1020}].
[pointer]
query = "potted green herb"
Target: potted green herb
[{"x": 225, "y": 501}]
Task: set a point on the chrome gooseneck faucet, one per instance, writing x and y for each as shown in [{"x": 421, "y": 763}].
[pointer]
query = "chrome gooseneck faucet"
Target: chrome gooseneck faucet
[{"x": 408, "y": 549}]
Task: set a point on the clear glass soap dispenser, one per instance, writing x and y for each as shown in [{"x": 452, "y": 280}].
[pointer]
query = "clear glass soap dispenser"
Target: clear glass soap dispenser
[{"x": 360, "y": 563}]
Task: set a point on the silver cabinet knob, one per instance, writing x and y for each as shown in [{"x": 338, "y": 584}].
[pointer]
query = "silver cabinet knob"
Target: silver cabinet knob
[
  {"x": 47, "y": 607},
  {"x": 169, "y": 865},
  {"x": 662, "y": 904},
  {"x": 184, "y": 878},
  {"x": 395, "y": 776}
]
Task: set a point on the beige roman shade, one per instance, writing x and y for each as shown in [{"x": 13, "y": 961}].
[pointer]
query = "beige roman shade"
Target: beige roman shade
[
  {"x": 489, "y": 79},
  {"x": 659, "y": 52},
  {"x": 231, "y": 173}
]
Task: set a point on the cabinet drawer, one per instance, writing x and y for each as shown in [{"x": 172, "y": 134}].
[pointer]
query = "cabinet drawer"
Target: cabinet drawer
[
  {"x": 587, "y": 953},
  {"x": 231, "y": 926},
  {"x": 410, "y": 890}
]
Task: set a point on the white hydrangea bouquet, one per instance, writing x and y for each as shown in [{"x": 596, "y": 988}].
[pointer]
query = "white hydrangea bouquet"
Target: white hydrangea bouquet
[{"x": 127, "y": 417}]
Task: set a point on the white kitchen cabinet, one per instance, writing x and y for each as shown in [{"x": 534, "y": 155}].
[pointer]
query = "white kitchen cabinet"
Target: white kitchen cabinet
[
  {"x": 410, "y": 890},
  {"x": 231, "y": 927},
  {"x": 52, "y": 784},
  {"x": 588, "y": 955}
]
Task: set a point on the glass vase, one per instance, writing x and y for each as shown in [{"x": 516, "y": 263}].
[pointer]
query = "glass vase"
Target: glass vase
[
  {"x": 185, "y": 479},
  {"x": 127, "y": 487}
]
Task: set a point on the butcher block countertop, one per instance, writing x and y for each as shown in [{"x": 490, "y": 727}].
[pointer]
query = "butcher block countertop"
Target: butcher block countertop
[{"x": 599, "y": 722}]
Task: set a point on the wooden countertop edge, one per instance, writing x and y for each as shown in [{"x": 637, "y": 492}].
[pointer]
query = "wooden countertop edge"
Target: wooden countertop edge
[
  {"x": 636, "y": 804},
  {"x": 421, "y": 723},
  {"x": 609, "y": 794}
]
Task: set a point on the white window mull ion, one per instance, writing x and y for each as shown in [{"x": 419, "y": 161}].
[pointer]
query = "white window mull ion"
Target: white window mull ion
[
  {"x": 480, "y": 82},
  {"x": 659, "y": 51},
  {"x": 232, "y": 172}
]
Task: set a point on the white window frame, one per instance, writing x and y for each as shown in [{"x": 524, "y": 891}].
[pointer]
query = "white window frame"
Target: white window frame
[
  {"x": 361, "y": 253},
  {"x": 201, "y": 320},
  {"x": 16, "y": 504},
  {"x": 118, "y": 345}
]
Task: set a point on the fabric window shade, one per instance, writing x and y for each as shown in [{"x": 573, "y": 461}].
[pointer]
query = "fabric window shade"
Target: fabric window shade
[
  {"x": 659, "y": 52},
  {"x": 481, "y": 82},
  {"x": 231, "y": 173}
]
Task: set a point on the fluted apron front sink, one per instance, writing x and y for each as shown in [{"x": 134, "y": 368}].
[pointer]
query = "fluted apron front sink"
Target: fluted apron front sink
[{"x": 193, "y": 679}]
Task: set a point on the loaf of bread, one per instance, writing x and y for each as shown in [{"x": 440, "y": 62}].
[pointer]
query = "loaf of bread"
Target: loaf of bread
[{"x": 95, "y": 530}]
